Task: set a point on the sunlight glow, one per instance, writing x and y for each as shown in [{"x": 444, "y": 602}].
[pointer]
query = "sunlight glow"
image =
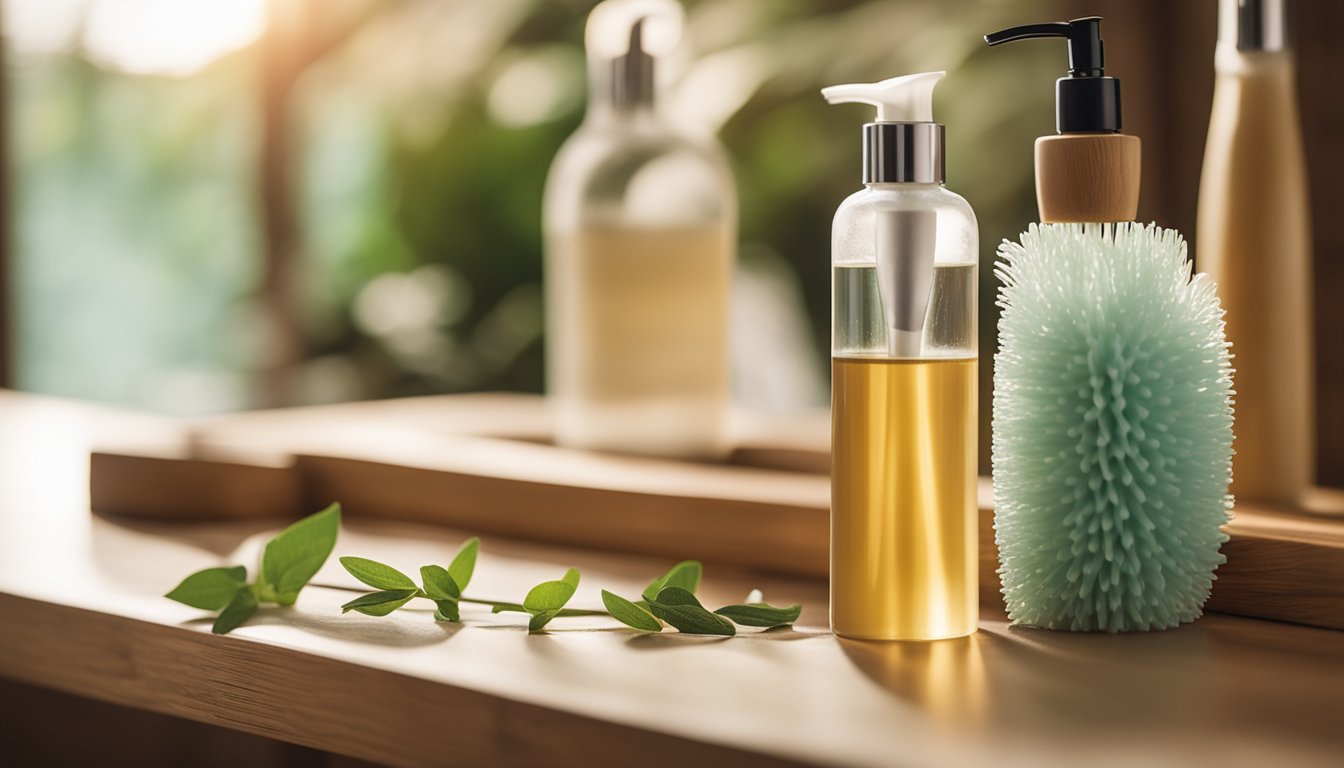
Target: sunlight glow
[
  {"x": 42, "y": 26},
  {"x": 170, "y": 37},
  {"x": 161, "y": 37}
]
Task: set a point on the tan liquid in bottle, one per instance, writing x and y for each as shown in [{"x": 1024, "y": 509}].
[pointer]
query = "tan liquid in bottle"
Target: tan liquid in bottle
[
  {"x": 639, "y": 338},
  {"x": 904, "y": 509},
  {"x": 640, "y": 221},
  {"x": 1253, "y": 238}
]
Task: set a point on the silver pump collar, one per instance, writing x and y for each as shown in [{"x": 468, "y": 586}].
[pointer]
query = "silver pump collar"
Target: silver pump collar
[
  {"x": 903, "y": 153},
  {"x": 1255, "y": 25}
]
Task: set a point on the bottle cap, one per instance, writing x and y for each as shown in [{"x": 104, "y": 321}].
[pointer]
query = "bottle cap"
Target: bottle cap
[
  {"x": 1254, "y": 25},
  {"x": 632, "y": 72},
  {"x": 1086, "y": 101},
  {"x": 903, "y": 144},
  {"x": 624, "y": 40}
]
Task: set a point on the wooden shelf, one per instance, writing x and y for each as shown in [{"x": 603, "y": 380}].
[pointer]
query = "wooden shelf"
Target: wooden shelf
[
  {"x": 484, "y": 463},
  {"x": 82, "y": 610}
]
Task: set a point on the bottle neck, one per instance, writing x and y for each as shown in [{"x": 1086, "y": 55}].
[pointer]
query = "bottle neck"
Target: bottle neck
[
  {"x": 1254, "y": 25},
  {"x": 624, "y": 82},
  {"x": 1087, "y": 105},
  {"x": 618, "y": 94},
  {"x": 603, "y": 112},
  {"x": 904, "y": 185},
  {"x": 903, "y": 153}
]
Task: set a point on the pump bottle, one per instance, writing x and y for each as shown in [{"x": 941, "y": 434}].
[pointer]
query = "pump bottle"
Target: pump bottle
[
  {"x": 1089, "y": 172},
  {"x": 1253, "y": 237},
  {"x": 640, "y": 218},
  {"x": 903, "y": 379}
]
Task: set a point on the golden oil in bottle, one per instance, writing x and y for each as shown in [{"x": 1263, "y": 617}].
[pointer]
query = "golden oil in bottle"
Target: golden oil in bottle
[{"x": 903, "y": 499}]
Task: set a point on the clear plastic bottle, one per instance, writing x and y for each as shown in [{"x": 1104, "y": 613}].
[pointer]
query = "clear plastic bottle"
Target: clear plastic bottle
[
  {"x": 904, "y": 539},
  {"x": 641, "y": 226}
]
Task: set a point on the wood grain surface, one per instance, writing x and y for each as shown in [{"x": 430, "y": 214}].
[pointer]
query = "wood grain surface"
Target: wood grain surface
[
  {"x": 336, "y": 706},
  {"x": 82, "y": 612},
  {"x": 1087, "y": 177},
  {"x": 484, "y": 463}
]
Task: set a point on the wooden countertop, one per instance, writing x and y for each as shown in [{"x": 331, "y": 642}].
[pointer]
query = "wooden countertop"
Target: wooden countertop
[{"x": 81, "y": 611}]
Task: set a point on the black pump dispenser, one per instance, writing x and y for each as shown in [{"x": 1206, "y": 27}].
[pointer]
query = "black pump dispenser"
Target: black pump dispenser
[{"x": 1086, "y": 101}]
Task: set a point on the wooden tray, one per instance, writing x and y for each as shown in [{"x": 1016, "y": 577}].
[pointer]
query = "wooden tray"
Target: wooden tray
[{"x": 484, "y": 463}]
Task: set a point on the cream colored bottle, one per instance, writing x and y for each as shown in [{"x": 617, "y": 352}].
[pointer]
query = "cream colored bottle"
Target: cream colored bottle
[
  {"x": 1253, "y": 237},
  {"x": 640, "y": 224}
]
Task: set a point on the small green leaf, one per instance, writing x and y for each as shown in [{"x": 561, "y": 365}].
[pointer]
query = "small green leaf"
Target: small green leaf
[
  {"x": 379, "y": 603},
  {"x": 679, "y": 608},
  {"x": 630, "y": 614},
  {"x": 297, "y": 553},
  {"x": 239, "y": 609},
  {"x": 439, "y": 583},
  {"x": 210, "y": 589},
  {"x": 464, "y": 562},
  {"x": 761, "y": 614},
  {"x": 685, "y": 574},
  {"x": 375, "y": 574},
  {"x": 552, "y": 595},
  {"x": 447, "y": 611},
  {"x": 540, "y": 620}
]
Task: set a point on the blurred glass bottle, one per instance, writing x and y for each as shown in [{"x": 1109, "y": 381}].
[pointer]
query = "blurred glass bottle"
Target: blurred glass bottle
[
  {"x": 1253, "y": 237},
  {"x": 641, "y": 223}
]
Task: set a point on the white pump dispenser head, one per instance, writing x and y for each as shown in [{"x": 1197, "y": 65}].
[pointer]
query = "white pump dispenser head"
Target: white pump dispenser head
[
  {"x": 903, "y": 146},
  {"x": 905, "y": 99}
]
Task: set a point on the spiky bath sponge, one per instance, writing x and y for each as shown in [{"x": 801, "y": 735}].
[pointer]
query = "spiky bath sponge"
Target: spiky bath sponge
[{"x": 1112, "y": 429}]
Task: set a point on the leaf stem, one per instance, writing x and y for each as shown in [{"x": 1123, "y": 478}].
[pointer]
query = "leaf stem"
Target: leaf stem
[
  {"x": 491, "y": 603},
  {"x": 464, "y": 599},
  {"x": 339, "y": 587}
]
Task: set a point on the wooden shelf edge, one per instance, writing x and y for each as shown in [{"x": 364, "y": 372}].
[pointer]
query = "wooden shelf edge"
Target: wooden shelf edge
[
  {"x": 290, "y": 695},
  {"x": 1280, "y": 566},
  {"x": 1276, "y": 576}
]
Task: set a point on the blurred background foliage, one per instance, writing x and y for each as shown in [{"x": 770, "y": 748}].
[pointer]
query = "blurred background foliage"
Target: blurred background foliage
[{"x": 420, "y": 133}]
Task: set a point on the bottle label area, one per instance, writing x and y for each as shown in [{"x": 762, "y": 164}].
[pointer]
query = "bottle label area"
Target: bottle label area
[{"x": 638, "y": 338}]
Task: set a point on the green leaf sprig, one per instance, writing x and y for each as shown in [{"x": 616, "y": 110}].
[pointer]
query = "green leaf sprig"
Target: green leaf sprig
[
  {"x": 291, "y": 559},
  {"x": 442, "y": 585},
  {"x": 669, "y": 599},
  {"x": 288, "y": 562}
]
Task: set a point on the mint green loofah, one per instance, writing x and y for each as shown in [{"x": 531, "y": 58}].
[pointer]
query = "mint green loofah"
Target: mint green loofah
[{"x": 1112, "y": 429}]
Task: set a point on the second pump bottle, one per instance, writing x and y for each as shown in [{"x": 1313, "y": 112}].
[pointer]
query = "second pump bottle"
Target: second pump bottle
[{"x": 641, "y": 228}]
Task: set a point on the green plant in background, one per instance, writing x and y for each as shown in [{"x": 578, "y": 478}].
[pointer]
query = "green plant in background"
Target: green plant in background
[
  {"x": 288, "y": 562},
  {"x": 467, "y": 152},
  {"x": 424, "y": 131},
  {"x": 293, "y": 557},
  {"x": 165, "y": 229}
]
